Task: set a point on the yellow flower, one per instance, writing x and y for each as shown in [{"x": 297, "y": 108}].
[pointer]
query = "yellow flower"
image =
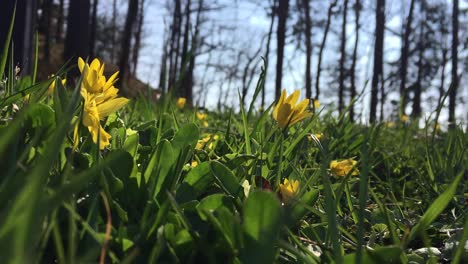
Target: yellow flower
[
  {"x": 51, "y": 89},
  {"x": 202, "y": 142},
  {"x": 316, "y": 104},
  {"x": 404, "y": 118},
  {"x": 100, "y": 99},
  {"x": 94, "y": 80},
  {"x": 289, "y": 190},
  {"x": 246, "y": 186},
  {"x": 390, "y": 124},
  {"x": 201, "y": 116},
  {"x": 194, "y": 163},
  {"x": 342, "y": 168},
  {"x": 287, "y": 112},
  {"x": 319, "y": 136},
  {"x": 181, "y": 102}
]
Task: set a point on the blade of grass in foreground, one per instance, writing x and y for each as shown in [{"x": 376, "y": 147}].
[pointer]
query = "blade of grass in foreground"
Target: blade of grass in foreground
[
  {"x": 436, "y": 208},
  {"x": 7, "y": 44}
]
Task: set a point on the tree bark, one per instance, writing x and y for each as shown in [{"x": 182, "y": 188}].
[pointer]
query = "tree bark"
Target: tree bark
[
  {"x": 267, "y": 53},
  {"x": 357, "y": 9},
  {"x": 138, "y": 32},
  {"x": 418, "y": 85},
  {"x": 342, "y": 60},
  {"x": 77, "y": 39},
  {"x": 404, "y": 59},
  {"x": 114, "y": 30},
  {"x": 308, "y": 43},
  {"x": 378, "y": 57},
  {"x": 185, "y": 52},
  {"x": 174, "y": 51},
  {"x": 47, "y": 15},
  {"x": 283, "y": 6},
  {"x": 322, "y": 47},
  {"x": 454, "y": 86},
  {"x": 125, "y": 48},
  {"x": 59, "y": 29},
  {"x": 92, "y": 39}
]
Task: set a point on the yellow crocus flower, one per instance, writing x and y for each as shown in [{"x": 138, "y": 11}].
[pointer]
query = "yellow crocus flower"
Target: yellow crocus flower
[
  {"x": 94, "y": 80},
  {"x": 342, "y": 168},
  {"x": 404, "y": 118},
  {"x": 287, "y": 112},
  {"x": 51, "y": 89},
  {"x": 93, "y": 113},
  {"x": 316, "y": 103},
  {"x": 201, "y": 116},
  {"x": 202, "y": 142},
  {"x": 289, "y": 189},
  {"x": 181, "y": 103}
]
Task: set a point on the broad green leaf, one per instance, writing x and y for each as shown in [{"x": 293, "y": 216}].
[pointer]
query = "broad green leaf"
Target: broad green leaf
[
  {"x": 261, "y": 224},
  {"x": 225, "y": 178},
  {"x": 195, "y": 183},
  {"x": 436, "y": 208}
]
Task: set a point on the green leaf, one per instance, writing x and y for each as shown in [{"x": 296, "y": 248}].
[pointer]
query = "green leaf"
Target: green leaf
[
  {"x": 436, "y": 208},
  {"x": 186, "y": 135},
  {"x": 211, "y": 203},
  {"x": 226, "y": 179},
  {"x": 261, "y": 224},
  {"x": 382, "y": 255},
  {"x": 195, "y": 183}
]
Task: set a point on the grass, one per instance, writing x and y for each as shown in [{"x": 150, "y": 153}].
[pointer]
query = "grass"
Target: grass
[{"x": 159, "y": 194}]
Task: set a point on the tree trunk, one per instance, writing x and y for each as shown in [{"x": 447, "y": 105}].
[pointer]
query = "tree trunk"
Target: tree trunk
[
  {"x": 378, "y": 57},
  {"x": 47, "y": 15},
  {"x": 125, "y": 49},
  {"x": 404, "y": 60},
  {"x": 357, "y": 10},
  {"x": 308, "y": 36},
  {"x": 58, "y": 33},
  {"x": 281, "y": 37},
  {"x": 174, "y": 51},
  {"x": 139, "y": 30},
  {"x": 322, "y": 47},
  {"x": 454, "y": 86},
  {"x": 92, "y": 39},
  {"x": 267, "y": 53},
  {"x": 114, "y": 31},
  {"x": 194, "y": 47},
  {"x": 342, "y": 60},
  {"x": 185, "y": 52},
  {"x": 77, "y": 39},
  {"x": 418, "y": 85}
]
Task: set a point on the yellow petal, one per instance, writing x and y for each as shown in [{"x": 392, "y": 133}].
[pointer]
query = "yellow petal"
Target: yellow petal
[
  {"x": 299, "y": 108},
  {"x": 81, "y": 64},
  {"x": 111, "y": 106},
  {"x": 280, "y": 102},
  {"x": 95, "y": 65},
  {"x": 292, "y": 99},
  {"x": 284, "y": 114},
  {"x": 298, "y": 117}
]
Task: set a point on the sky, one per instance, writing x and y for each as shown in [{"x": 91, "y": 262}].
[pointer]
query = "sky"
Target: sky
[{"x": 250, "y": 22}]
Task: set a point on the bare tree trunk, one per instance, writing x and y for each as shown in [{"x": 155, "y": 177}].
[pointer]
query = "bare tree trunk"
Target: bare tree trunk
[
  {"x": 418, "y": 85},
  {"x": 453, "y": 89},
  {"x": 357, "y": 9},
  {"x": 92, "y": 39},
  {"x": 308, "y": 36},
  {"x": 267, "y": 53},
  {"x": 342, "y": 60},
  {"x": 58, "y": 33},
  {"x": 125, "y": 49},
  {"x": 185, "y": 54},
  {"x": 404, "y": 59},
  {"x": 281, "y": 37},
  {"x": 174, "y": 51},
  {"x": 139, "y": 30},
  {"x": 248, "y": 73},
  {"x": 77, "y": 39},
  {"x": 194, "y": 47},
  {"x": 322, "y": 47},
  {"x": 47, "y": 16},
  {"x": 114, "y": 30},
  {"x": 378, "y": 57}
]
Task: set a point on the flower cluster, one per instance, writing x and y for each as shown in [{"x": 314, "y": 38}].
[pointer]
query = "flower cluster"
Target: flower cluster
[
  {"x": 287, "y": 112},
  {"x": 289, "y": 189},
  {"x": 344, "y": 167},
  {"x": 100, "y": 99}
]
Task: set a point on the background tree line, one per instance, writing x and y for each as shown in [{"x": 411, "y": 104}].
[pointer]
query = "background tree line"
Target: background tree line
[{"x": 411, "y": 52}]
